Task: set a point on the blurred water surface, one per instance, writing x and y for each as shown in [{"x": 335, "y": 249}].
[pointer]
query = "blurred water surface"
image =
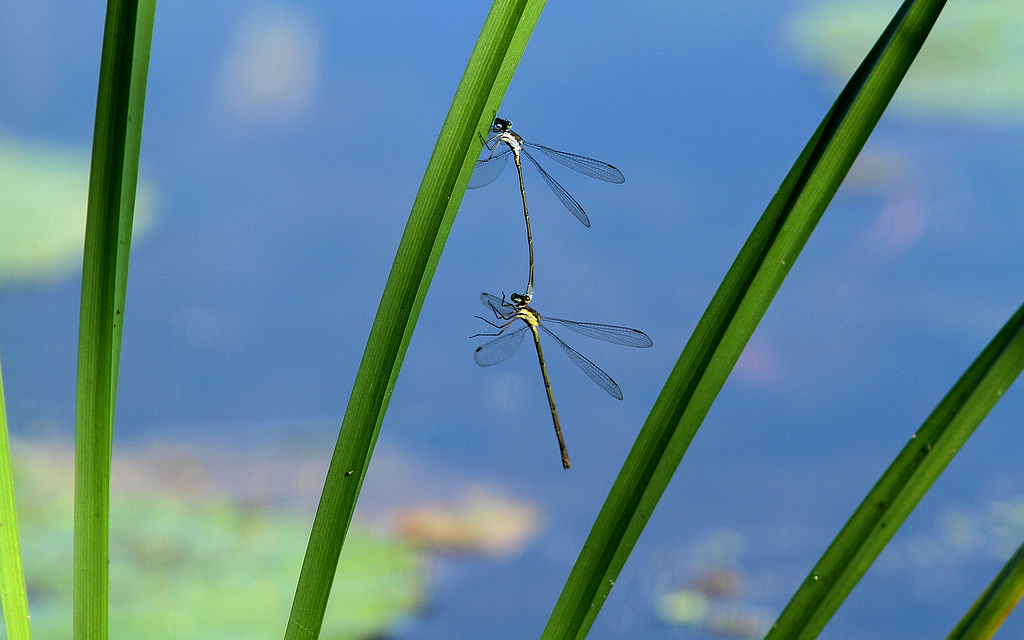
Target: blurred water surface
[{"x": 285, "y": 142}]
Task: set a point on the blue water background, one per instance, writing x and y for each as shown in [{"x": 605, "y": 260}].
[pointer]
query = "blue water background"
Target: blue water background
[{"x": 250, "y": 302}]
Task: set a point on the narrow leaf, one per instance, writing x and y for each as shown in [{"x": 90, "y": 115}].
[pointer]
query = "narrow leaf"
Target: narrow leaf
[
  {"x": 903, "y": 485},
  {"x": 986, "y": 615},
  {"x": 13, "y": 594},
  {"x": 733, "y": 314},
  {"x": 124, "y": 65},
  {"x": 488, "y": 73}
]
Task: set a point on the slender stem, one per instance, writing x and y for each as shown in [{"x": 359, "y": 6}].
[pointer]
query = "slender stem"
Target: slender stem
[
  {"x": 529, "y": 237},
  {"x": 551, "y": 397}
]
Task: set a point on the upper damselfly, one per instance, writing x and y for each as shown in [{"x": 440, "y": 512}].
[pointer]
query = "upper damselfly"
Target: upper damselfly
[
  {"x": 489, "y": 168},
  {"x": 503, "y": 346}
]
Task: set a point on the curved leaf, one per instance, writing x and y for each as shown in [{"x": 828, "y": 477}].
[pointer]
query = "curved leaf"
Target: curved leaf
[
  {"x": 732, "y": 316},
  {"x": 488, "y": 73},
  {"x": 903, "y": 485},
  {"x": 117, "y": 138}
]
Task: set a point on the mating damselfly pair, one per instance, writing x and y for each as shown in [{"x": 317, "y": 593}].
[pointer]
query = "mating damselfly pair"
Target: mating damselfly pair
[{"x": 506, "y": 312}]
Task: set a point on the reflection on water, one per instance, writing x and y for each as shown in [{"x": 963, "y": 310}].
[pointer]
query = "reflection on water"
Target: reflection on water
[
  {"x": 705, "y": 587},
  {"x": 707, "y": 584},
  {"x": 272, "y": 69},
  {"x": 935, "y": 560}
]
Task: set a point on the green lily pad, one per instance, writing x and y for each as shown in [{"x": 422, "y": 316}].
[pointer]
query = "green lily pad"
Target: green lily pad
[
  {"x": 970, "y": 68},
  {"x": 43, "y": 195},
  {"x": 188, "y": 563}
]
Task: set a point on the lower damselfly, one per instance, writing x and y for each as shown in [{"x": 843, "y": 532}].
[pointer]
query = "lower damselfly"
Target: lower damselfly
[
  {"x": 489, "y": 168},
  {"x": 507, "y": 343}
]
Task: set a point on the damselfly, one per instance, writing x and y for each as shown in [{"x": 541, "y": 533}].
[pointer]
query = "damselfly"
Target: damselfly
[
  {"x": 502, "y": 347},
  {"x": 489, "y": 168}
]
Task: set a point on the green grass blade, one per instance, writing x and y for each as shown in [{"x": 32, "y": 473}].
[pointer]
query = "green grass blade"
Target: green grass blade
[
  {"x": 733, "y": 314},
  {"x": 124, "y": 65},
  {"x": 494, "y": 58},
  {"x": 903, "y": 484},
  {"x": 986, "y": 615},
  {"x": 13, "y": 594}
]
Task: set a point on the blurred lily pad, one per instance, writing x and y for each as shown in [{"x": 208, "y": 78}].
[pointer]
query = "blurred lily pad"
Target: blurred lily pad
[
  {"x": 483, "y": 522},
  {"x": 43, "y": 195},
  {"x": 186, "y": 562},
  {"x": 971, "y": 67}
]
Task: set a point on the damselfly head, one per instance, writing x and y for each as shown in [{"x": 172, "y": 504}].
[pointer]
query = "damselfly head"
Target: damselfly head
[
  {"x": 501, "y": 126},
  {"x": 519, "y": 299}
]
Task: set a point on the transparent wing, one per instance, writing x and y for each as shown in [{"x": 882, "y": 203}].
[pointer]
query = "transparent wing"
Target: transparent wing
[
  {"x": 586, "y": 166},
  {"x": 488, "y": 169},
  {"x": 563, "y": 195},
  {"x": 602, "y": 379},
  {"x": 499, "y": 349},
  {"x": 608, "y": 333},
  {"x": 499, "y": 306}
]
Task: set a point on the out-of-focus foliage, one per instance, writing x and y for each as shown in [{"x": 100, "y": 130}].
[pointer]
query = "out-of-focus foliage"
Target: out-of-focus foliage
[
  {"x": 43, "y": 193},
  {"x": 971, "y": 67},
  {"x": 189, "y": 563}
]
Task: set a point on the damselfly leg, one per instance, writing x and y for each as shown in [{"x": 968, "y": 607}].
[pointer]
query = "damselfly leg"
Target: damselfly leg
[
  {"x": 507, "y": 343},
  {"x": 489, "y": 168}
]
